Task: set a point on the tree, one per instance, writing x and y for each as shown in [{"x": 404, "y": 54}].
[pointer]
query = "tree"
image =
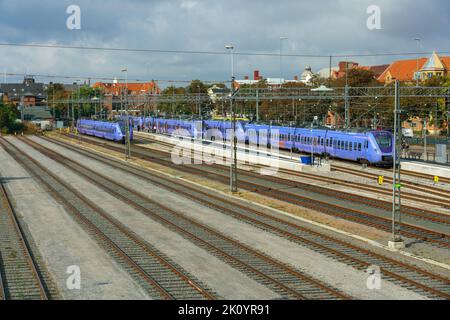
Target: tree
[
  {"x": 356, "y": 78},
  {"x": 8, "y": 116}
]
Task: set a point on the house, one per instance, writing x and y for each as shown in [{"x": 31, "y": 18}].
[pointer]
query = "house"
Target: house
[
  {"x": 38, "y": 115},
  {"x": 118, "y": 88},
  {"x": 138, "y": 93},
  {"x": 306, "y": 78},
  {"x": 345, "y": 66},
  {"x": 413, "y": 69},
  {"x": 217, "y": 93},
  {"x": 28, "y": 92}
]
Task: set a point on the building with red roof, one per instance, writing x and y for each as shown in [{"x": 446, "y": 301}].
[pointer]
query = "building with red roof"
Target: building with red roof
[
  {"x": 422, "y": 68},
  {"x": 117, "y": 88}
]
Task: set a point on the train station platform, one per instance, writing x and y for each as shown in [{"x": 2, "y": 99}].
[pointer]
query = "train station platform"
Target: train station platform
[
  {"x": 439, "y": 170},
  {"x": 245, "y": 154}
]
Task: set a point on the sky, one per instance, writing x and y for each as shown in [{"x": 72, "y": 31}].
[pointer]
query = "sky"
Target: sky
[{"x": 320, "y": 27}]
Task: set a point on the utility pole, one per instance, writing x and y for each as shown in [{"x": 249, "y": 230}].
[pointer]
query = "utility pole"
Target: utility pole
[
  {"x": 127, "y": 120},
  {"x": 425, "y": 151},
  {"x": 417, "y": 61},
  {"x": 233, "y": 138},
  {"x": 347, "y": 108},
  {"x": 329, "y": 78},
  {"x": 281, "y": 59},
  {"x": 396, "y": 241},
  {"x": 257, "y": 104},
  {"x": 447, "y": 109}
]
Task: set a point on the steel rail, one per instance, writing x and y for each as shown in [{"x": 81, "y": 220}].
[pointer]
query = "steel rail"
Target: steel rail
[
  {"x": 150, "y": 279},
  {"x": 37, "y": 282},
  {"x": 122, "y": 192},
  {"x": 269, "y": 222}
]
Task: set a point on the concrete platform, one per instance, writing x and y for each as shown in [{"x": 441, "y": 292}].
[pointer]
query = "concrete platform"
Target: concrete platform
[
  {"x": 245, "y": 154},
  {"x": 441, "y": 171}
]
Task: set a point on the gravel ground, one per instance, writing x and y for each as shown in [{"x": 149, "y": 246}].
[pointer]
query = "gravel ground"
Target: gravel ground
[
  {"x": 222, "y": 278},
  {"x": 63, "y": 243},
  {"x": 346, "y": 278},
  {"x": 352, "y": 178},
  {"x": 420, "y": 249}
]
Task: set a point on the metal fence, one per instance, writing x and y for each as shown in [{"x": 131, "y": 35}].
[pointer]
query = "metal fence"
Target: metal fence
[{"x": 423, "y": 156}]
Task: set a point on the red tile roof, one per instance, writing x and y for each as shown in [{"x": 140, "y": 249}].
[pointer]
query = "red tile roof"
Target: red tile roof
[
  {"x": 403, "y": 70},
  {"x": 134, "y": 88}
]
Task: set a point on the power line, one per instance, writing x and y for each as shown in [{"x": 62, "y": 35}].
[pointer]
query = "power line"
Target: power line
[
  {"x": 224, "y": 53},
  {"x": 109, "y": 78}
]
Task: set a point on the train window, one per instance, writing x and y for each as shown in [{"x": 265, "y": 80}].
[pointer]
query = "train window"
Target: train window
[
  {"x": 351, "y": 146},
  {"x": 346, "y": 145},
  {"x": 359, "y": 146},
  {"x": 366, "y": 145}
]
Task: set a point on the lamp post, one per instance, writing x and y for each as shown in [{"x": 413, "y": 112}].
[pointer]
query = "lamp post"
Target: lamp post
[
  {"x": 233, "y": 158},
  {"x": 127, "y": 120},
  {"x": 417, "y": 61},
  {"x": 281, "y": 58},
  {"x": 198, "y": 103}
]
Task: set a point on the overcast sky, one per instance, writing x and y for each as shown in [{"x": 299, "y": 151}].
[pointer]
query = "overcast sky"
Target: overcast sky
[{"x": 320, "y": 27}]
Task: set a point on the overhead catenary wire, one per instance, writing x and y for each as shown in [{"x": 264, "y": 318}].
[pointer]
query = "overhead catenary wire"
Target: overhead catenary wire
[{"x": 224, "y": 53}]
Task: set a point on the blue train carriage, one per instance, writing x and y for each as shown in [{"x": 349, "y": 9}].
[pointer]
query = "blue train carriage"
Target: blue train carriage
[
  {"x": 224, "y": 127},
  {"x": 148, "y": 124},
  {"x": 372, "y": 147},
  {"x": 114, "y": 131},
  {"x": 270, "y": 136},
  {"x": 137, "y": 123}
]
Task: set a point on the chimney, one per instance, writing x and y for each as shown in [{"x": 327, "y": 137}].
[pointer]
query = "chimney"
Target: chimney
[
  {"x": 246, "y": 78},
  {"x": 256, "y": 75},
  {"x": 296, "y": 78}
]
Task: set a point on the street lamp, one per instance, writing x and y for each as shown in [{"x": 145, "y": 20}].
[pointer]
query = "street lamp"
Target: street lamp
[
  {"x": 281, "y": 57},
  {"x": 417, "y": 61},
  {"x": 233, "y": 158}
]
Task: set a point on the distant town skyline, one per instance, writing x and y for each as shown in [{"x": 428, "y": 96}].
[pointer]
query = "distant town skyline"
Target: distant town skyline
[{"x": 321, "y": 28}]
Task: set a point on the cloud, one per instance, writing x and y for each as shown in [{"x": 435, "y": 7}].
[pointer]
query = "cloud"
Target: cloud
[{"x": 321, "y": 27}]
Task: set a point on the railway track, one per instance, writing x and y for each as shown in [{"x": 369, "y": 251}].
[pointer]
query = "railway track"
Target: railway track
[
  {"x": 424, "y": 176},
  {"x": 424, "y": 282},
  {"x": 376, "y": 203},
  {"x": 442, "y": 201},
  {"x": 154, "y": 271},
  {"x": 287, "y": 281},
  {"x": 282, "y": 192},
  {"x": 409, "y": 184},
  {"x": 20, "y": 278}
]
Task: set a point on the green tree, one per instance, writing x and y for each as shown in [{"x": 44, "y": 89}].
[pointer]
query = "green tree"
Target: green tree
[{"x": 8, "y": 116}]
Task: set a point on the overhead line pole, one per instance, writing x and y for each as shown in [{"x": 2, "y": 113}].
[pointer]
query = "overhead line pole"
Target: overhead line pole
[
  {"x": 233, "y": 138},
  {"x": 396, "y": 241}
]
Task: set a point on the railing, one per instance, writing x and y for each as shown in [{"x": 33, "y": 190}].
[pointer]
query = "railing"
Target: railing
[
  {"x": 420, "y": 156},
  {"x": 430, "y": 141}
]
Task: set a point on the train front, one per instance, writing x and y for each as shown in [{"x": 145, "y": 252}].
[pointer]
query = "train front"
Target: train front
[{"x": 382, "y": 153}]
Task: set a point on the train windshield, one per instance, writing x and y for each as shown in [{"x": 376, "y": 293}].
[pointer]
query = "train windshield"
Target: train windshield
[{"x": 384, "y": 140}]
